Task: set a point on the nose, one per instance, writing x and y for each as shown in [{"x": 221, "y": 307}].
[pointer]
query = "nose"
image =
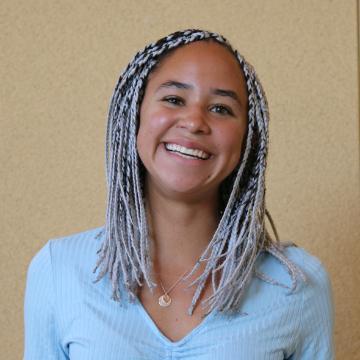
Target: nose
[{"x": 194, "y": 120}]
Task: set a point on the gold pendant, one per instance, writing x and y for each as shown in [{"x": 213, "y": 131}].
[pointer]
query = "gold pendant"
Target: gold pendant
[{"x": 164, "y": 300}]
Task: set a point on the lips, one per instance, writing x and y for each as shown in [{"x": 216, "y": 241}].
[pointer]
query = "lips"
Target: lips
[{"x": 188, "y": 152}]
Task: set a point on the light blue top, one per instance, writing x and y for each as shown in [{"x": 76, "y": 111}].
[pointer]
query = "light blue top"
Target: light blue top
[{"x": 67, "y": 316}]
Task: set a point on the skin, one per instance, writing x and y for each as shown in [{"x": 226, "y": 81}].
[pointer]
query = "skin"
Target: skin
[{"x": 182, "y": 194}]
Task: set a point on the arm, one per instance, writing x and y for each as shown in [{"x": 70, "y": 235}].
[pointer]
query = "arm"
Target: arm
[
  {"x": 316, "y": 329},
  {"x": 42, "y": 339}
]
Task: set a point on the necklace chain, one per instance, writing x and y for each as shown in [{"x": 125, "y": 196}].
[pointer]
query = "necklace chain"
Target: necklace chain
[{"x": 173, "y": 286}]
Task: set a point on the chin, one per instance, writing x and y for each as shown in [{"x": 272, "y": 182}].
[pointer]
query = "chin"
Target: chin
[{"x": 185, "y": 189}]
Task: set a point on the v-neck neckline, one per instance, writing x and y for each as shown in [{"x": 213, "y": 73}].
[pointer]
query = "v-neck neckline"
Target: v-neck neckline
[{"x": 157, "y": 332}]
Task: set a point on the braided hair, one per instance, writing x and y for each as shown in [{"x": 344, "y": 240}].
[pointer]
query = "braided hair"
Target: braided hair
[{"x": 241, "y": 234}]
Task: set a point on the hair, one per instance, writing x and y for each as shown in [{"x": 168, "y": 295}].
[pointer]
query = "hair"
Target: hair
[{"x": 241, "y": 234}]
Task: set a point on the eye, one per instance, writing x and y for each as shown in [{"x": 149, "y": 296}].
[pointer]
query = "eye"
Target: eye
[
  {"x": 174, "y": 100},
  {"x": 222, "y": 110}
]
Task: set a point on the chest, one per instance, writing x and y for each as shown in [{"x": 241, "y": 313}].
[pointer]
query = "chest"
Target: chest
[
  {"x": 129, "y": 333},
  {"x": 95, "y": 327}
]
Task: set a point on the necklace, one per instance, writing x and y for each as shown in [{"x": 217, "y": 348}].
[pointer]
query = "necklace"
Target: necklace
[{"x": 165, "y": 299}]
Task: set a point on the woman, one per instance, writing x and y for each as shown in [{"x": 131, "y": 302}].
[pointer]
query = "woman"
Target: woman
[{"x": 185, "y": 267}]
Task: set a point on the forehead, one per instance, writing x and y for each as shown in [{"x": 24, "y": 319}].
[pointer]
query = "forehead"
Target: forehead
[{"x": 209, "y": 61}]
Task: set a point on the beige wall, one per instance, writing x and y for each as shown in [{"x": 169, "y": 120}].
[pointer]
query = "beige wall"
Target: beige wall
[{"x": 60, "y": 61}]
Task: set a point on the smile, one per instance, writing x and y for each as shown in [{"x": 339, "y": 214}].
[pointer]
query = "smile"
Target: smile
[{"x": 192, "y": 153}]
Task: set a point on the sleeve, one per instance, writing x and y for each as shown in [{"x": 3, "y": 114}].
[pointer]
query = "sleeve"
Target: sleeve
[
  {"x": 42, "y": 339},
  {"x": 316, "y": 329}
]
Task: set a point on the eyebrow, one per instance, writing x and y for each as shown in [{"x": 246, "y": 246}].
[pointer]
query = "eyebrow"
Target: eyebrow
[{"x": 221, "y": 92}]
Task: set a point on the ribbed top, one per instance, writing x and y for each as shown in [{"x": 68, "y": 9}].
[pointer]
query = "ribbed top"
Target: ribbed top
[{"x": 68, "y": 316}]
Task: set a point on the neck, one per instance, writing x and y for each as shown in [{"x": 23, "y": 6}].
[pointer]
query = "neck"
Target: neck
[{"x": 180, "y": 231}]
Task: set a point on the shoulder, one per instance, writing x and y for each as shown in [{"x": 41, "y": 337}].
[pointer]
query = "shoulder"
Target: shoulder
[
  {"x": 303, "y": 258},
  {"x": 78, "y": 245},
  {"x": 317, "y": 280},
  {"x": 290, "y": 282},
  {"x": 314, "y": 271},
  {"x": 64, "y": 255}
]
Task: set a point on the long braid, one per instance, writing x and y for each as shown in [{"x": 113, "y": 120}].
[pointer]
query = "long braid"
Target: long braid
[{"x": 240, "y": 236}]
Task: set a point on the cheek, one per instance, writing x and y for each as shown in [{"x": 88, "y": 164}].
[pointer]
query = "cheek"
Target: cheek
[
  {"x": 153, "y": 125},
  {"x": 235, "y": 147},
  {"x": 233, "y": 138},
  {"x": 141, "y": 141}
]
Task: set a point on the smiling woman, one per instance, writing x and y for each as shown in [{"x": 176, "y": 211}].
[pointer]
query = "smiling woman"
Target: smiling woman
[
  {"x": 196, "y": 116},
  {"x": 192, "y": 269}
]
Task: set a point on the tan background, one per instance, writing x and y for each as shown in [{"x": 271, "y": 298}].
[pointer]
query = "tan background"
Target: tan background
[{"x": 60, "y": 61}]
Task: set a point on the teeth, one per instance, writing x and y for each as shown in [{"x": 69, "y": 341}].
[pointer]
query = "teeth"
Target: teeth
[{"x": 186, "y": 151}]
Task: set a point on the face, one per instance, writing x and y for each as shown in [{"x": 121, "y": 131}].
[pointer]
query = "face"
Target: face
[{"x": 193, "y": 120}]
